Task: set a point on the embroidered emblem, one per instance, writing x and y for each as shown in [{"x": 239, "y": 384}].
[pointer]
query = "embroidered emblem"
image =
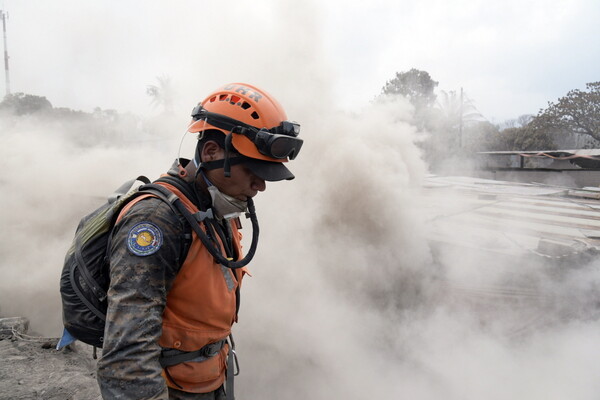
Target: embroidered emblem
[{"x": 144, "y": 239}]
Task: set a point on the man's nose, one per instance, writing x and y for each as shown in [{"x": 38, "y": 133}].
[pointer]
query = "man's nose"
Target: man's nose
[{"x": 258, "y": 184}]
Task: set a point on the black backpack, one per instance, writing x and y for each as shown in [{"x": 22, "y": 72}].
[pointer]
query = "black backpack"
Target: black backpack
[{"x": 85, "y": 276}]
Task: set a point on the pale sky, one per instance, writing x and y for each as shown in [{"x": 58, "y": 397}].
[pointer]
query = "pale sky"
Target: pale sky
[{"x": 511, "y": 57}]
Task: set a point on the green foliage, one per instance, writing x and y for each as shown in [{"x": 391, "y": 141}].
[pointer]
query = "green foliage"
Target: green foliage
[
  {"x": 101, "y": 127},
  {"x": 416, "y": 85},
  {"x": 454, "y": 119},
  {"x": 518, "y": 138},
  {"x": 534, "y": 139},
  {"x": 578, "y": 112},
  {"x": 24, "y": 104},
  {"x": 479, "y": 136},
  {"x": 457, "y": 109},
  {"x": 456, "y": 130}
]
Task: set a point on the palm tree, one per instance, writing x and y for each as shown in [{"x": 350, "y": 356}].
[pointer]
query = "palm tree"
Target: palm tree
[
  {"x": 162, "y": 94},
  {"x": 457, "y": 110}
]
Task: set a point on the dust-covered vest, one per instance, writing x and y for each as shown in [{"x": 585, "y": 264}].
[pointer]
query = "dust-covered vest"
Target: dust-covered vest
[{"x": 201, "y": 308}]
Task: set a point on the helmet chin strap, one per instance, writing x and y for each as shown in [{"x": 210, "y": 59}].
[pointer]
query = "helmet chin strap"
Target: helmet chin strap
[
  {"x": 227, "y": 164},
  {"x": 224, "y": 163}
]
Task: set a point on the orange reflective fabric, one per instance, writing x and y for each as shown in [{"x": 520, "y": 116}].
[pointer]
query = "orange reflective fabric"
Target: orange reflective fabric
[
  {"x": 128, "y": 206},
  {"x": 200, "y": 309}
]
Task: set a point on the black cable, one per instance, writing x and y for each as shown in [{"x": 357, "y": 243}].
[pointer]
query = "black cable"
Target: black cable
[{"x": 213, "y": 249}]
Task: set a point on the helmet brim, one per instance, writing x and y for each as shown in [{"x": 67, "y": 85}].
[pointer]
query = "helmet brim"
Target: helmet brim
[{"x": 268, "y": 170}]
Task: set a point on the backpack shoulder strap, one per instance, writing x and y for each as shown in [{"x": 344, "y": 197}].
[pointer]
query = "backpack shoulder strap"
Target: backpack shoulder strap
[
  {"x": 171, "y": 199},
  {"x": 183, "y": 187},
  {"x": 125, "y": 187}
]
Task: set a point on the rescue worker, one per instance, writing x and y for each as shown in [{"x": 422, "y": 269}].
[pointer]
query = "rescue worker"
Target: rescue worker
[{"x": 175, "y": 292}]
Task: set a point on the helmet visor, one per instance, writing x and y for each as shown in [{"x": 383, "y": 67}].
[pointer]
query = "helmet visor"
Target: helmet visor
[{"x": 268, "y": 170}]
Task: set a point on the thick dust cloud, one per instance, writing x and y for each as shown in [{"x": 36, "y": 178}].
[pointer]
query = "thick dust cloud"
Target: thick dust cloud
[
  {"x": 54, "y": 171},
  {"x": 347, "y": 299}
]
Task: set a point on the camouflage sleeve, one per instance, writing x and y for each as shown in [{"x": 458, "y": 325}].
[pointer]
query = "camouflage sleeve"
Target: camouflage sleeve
[{"x": 146, "y": 247}]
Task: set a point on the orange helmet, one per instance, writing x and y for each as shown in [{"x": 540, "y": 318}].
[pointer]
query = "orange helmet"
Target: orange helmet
[{"x": 253, "y": 121}]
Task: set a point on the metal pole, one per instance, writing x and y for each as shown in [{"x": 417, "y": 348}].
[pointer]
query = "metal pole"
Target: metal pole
[
  {"x": 460, "y": 123},
  {"x": 4, "y": 15}
]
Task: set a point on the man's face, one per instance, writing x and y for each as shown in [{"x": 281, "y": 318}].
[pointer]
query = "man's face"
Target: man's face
[{"x": 242, "y": 184}]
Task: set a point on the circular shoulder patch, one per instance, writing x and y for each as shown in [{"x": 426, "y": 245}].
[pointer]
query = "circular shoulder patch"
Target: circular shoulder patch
[{"x": 144, "y": 239}]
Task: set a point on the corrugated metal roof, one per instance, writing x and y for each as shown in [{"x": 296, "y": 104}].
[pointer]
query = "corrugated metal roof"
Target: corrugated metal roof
[
  {"x": 546, "y": 153},
  {"x": 552, "y": 159},
  {"x": 513, "y": 218}
]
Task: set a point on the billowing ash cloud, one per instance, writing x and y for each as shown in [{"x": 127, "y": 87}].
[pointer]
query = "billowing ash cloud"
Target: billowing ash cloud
[
  {"x": 348, "y": 299},
  {"x": 54, "y": 171}
]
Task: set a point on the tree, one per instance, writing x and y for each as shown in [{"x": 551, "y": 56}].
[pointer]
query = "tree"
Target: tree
[
  {"x": 22, "y": 104},
  {"x": 479, "y": 136},
  {"x": 524, "y": 119},
  {"x": 457, "y": 112},
  {"x": 416, "y": 85},
  {"x": 518, "y": 122},
  {"x": 520, "y": 139},
  {"x": 162, "y": 94},
  {"x": 457, "y": 109},
  {"x": 578, "y": 112}
]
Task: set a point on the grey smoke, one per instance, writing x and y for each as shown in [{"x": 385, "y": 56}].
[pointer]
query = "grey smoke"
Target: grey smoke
[
  {"x": 48, "y": 183},
  {"x": 347, "y": 299}
]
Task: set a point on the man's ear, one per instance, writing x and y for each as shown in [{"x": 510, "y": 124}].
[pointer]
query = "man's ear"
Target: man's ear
[{"x": 211, "y": 151}]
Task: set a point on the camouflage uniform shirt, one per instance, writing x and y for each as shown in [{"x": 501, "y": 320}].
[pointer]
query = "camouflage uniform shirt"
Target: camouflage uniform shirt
[{"x": 129, "y": 366}]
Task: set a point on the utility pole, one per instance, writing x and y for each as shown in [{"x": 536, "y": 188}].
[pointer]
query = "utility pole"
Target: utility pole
[
  {"x": 4, "y": 15},
  {"x": 460, "y": 121}
]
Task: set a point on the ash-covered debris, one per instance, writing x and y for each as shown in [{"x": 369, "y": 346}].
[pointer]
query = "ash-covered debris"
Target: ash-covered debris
[
  {"x": 31, "y": 368},
  {"x": 13, "y": 326}
]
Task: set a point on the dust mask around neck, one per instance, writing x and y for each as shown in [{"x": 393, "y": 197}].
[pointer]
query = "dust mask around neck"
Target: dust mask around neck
[{"x": 225, "y": 206}]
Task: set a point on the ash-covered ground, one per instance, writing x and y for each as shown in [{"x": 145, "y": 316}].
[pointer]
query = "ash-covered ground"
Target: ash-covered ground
[{"x": 31, "y": 367}]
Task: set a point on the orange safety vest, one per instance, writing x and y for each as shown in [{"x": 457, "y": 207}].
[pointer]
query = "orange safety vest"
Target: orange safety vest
[{"x": 200, "y": 310}]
